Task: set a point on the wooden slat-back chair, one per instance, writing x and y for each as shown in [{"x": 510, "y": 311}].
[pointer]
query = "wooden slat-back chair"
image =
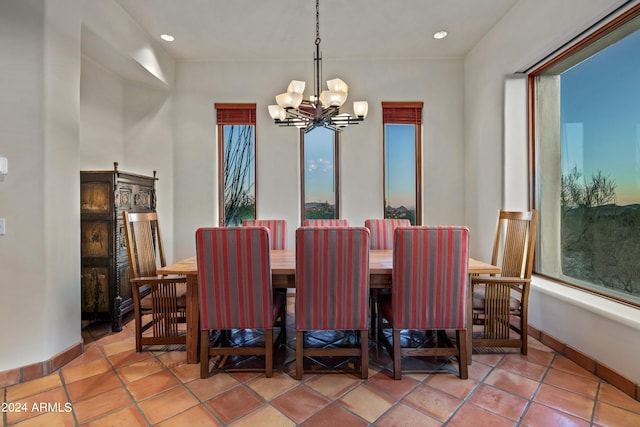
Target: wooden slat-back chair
[
  {"x": 160, "y": 299},
  {"x": 428, "y": 292},
  {"x": 500, "y": 303}
]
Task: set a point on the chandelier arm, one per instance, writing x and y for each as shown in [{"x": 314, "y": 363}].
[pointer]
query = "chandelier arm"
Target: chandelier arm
[{"x": 299, "y": 114}]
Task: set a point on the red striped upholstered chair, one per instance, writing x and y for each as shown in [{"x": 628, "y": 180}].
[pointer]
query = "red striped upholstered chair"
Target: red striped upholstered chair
[
  {"x": 159, "y": 302},
  {"x": 429, "y": 291},
  {"x": 234, "y": 285},
  {"x": 332, "y": 290},
  {"x": 382, "y": 231},
  {"x": 381, "y": 238},
  {"x": 326, "y": 223},
  {"x": 277, "y": 227}
]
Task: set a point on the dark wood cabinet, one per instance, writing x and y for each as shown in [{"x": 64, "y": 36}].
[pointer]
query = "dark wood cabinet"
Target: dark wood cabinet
[{"x": 104, "y": 195}]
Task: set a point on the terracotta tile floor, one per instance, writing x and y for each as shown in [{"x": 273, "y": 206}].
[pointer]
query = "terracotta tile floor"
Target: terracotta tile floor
[{"x": 111, "y": 385}]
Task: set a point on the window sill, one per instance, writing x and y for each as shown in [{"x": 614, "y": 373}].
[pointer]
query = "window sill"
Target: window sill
[{"x": 601, "y": 306}]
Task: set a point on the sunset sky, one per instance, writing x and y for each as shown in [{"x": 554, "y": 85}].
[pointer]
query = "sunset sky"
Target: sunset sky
[{"x": 600, "y": 117}]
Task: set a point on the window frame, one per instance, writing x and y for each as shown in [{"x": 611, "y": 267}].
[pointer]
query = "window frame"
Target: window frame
[
  {"x": 336, "y": 176},
  {"x": 404, "y": 113},
  {"x": 235, "y": 114},
  {"x": 578, "y": 49}
]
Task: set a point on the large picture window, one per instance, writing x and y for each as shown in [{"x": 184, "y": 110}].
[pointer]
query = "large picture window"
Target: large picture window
[
  {"x": 319, "y": 165},
  {"x": 236, "y": 163},
  {"x": 587, "y": 132},
  {"x": 402, "y": 163}
]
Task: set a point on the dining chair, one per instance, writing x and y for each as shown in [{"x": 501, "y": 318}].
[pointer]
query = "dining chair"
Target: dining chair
[
  {"x": 382, "y": 231},
  {"x": 277, "y": 228},
  {"x": 326, "y": 223},
  {"x": 500, "y": 303},
  {"x": 428, "y": 293},
  {"x": 159, "y": 302},
  {"x": 332, "y": 291},
  {"x": 381, "y": 238},
  {"x": 235, "y": 292}
]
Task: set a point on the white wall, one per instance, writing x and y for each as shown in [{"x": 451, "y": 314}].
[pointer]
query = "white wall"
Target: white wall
[
  {"x": 39, "y": 134},
  {"x": 148, "y": 147},
  {"x": 531, "y": 30},
  {"x": 199, "y": 85},
  {"x": 101, "y": 116},
  {"x": 126, "y": 111}
]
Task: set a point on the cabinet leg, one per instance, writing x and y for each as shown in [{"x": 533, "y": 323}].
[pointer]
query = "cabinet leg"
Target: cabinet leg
[{"x": 116, "y": 325}]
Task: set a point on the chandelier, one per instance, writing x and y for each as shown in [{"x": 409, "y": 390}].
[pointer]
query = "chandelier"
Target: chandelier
[{"x": 322, "y": 109}]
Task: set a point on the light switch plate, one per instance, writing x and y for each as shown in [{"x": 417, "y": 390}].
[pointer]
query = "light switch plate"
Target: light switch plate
[
  {"x": 2, "y": 230},
  {"x": 4, "y": 166}
]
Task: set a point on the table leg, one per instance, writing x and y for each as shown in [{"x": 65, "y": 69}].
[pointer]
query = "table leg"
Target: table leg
[
  {"x": 193, "y": 319},
  {"x": 469, "y": 322}
]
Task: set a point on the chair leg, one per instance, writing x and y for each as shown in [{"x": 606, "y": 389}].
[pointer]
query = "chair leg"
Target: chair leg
[
  {"x": 204, "y": 354},
  {"x": 524, "y": 332},
  {"x": 283, "y": 325},
  {"x": 364, "y": 354},
  {"x": 299, "y": 354},
  {"x": 268, "y": 353},
  {"x": 397, "y": 355},
  {"x": 138, "y": 336},
  {"x": 463, "y": 363},
  {"x": 373, "y": 312}
]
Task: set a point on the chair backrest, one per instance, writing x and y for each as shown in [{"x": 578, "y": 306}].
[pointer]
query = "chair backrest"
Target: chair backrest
[
  {"x": 326, "y": 223},
  {"x": 332, "y": 278},
  {"x": 382, "y": 231},
  {"x": 277, "y": 228},
  {"x": 430, "y": 277},
  {"x": 514, "y": 243},
  {"x": 144, "y": 244},
  {"x": 234, "y": 277}
]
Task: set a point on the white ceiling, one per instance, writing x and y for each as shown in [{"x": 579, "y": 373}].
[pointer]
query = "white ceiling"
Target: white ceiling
[{"x": 285, "y": 29}]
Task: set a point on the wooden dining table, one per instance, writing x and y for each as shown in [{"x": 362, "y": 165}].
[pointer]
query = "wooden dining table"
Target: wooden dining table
[{"x": 283, "y": 271}]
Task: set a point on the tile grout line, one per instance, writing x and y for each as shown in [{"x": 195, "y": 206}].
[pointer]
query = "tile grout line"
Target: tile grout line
[
  {"x": 595, "y": 402},
  {"x": 530, "y": 401},
  {"x": 66, "y": 392},
  {"x": 473, "y": 391}
]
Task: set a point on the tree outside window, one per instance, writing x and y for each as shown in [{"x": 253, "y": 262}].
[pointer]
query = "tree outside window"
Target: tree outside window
[{"x": 236, "y": 163}]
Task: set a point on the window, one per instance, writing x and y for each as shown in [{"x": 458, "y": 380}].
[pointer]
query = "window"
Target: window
[
  {"x": 319, "y": 157},
  {"x": 587, "y": 132},
  {"x": 402, "y": 161},
  {"x": 236, "y": 163}
]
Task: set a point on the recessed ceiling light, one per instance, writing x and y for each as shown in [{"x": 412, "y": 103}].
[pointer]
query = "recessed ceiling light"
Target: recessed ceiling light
[
  {"x": 167, "y": 37},
  {"x": 440, "y": 35}
]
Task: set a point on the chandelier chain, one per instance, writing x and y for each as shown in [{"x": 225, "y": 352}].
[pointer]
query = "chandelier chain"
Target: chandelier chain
[{"x": 317, "y": 22}]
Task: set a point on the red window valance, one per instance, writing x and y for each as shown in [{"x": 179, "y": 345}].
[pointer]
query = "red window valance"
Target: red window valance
[
  {"x": 236, "y": 114},
  {"x": 402, "y": 112}
]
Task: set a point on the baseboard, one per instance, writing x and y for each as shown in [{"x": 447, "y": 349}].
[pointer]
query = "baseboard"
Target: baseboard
[
  {"x": 40, "y": 369},
  {"x": 599, "y": 369}
]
